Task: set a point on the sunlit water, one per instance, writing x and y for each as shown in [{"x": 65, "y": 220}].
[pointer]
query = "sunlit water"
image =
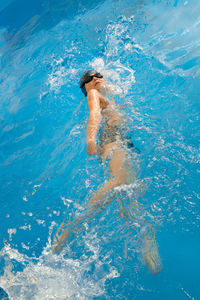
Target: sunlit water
[{"x": 149, "y": 52}]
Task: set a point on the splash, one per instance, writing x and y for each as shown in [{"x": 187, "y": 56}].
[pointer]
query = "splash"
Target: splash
[{"x": 55, "y": 276}]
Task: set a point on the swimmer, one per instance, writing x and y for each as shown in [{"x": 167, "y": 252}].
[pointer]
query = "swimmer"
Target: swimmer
[{"x": 112, "y": 147}]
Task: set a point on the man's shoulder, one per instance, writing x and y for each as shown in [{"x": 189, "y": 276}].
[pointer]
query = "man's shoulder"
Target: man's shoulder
[
  {"x": 93, "y": 99},
  {"x": 93, "y": 92}
]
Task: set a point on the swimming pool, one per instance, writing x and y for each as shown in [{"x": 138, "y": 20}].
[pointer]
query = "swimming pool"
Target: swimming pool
[{"x": 149, "y": 51}]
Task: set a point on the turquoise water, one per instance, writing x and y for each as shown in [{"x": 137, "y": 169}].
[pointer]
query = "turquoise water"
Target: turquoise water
[{"x": 149, "y": 52}]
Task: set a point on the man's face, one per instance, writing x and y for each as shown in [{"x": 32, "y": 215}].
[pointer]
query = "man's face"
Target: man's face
[{"x": 95, "y": 83}]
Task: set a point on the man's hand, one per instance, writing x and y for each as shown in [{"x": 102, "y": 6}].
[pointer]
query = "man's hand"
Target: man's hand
[{"x": 91, "y": 147}]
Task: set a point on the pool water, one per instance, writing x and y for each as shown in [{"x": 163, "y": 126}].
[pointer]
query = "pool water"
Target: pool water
[{"x": 149, "y": 53}]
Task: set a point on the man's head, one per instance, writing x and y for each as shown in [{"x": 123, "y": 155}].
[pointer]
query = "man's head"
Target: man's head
[{"x": 91, "y": 79}]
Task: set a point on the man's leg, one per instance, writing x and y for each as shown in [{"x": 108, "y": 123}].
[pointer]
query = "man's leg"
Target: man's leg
[
  {"x": 99, "y": 201},
  {"x": 123, "y": 173}
]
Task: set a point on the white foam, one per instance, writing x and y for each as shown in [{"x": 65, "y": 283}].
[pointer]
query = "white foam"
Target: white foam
[
  {"x": 120, "y": 78},
  {"x": 54, "y": 276}
]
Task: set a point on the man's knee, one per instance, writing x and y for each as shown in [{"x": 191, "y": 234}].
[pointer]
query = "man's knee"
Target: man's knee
[{"x": 117, "y": 182}]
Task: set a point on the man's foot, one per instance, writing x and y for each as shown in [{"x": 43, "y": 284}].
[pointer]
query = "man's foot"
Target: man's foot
[
  {"x": 62, "y": 237},
  {"x": 151, "y": 257}
]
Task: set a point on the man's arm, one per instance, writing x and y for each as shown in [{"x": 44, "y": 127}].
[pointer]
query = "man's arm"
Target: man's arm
[{"x": 94, "y": 121}]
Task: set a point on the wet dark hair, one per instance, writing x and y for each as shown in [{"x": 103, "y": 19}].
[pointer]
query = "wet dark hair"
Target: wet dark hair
[{"x": 82, "y": 80}]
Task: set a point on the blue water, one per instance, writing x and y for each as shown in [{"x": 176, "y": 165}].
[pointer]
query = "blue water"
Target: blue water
[{"x": 149, "y": 52}]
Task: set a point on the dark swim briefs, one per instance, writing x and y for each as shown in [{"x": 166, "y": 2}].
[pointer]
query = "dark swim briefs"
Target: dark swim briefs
[{"x": 113, "y": 134}]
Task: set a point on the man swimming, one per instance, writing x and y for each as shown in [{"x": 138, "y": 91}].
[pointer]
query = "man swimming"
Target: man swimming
[{"x": 112, "y": 147}]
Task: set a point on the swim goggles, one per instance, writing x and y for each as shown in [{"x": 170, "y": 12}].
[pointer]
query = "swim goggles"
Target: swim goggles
[{"x": 89, "y": 78}]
